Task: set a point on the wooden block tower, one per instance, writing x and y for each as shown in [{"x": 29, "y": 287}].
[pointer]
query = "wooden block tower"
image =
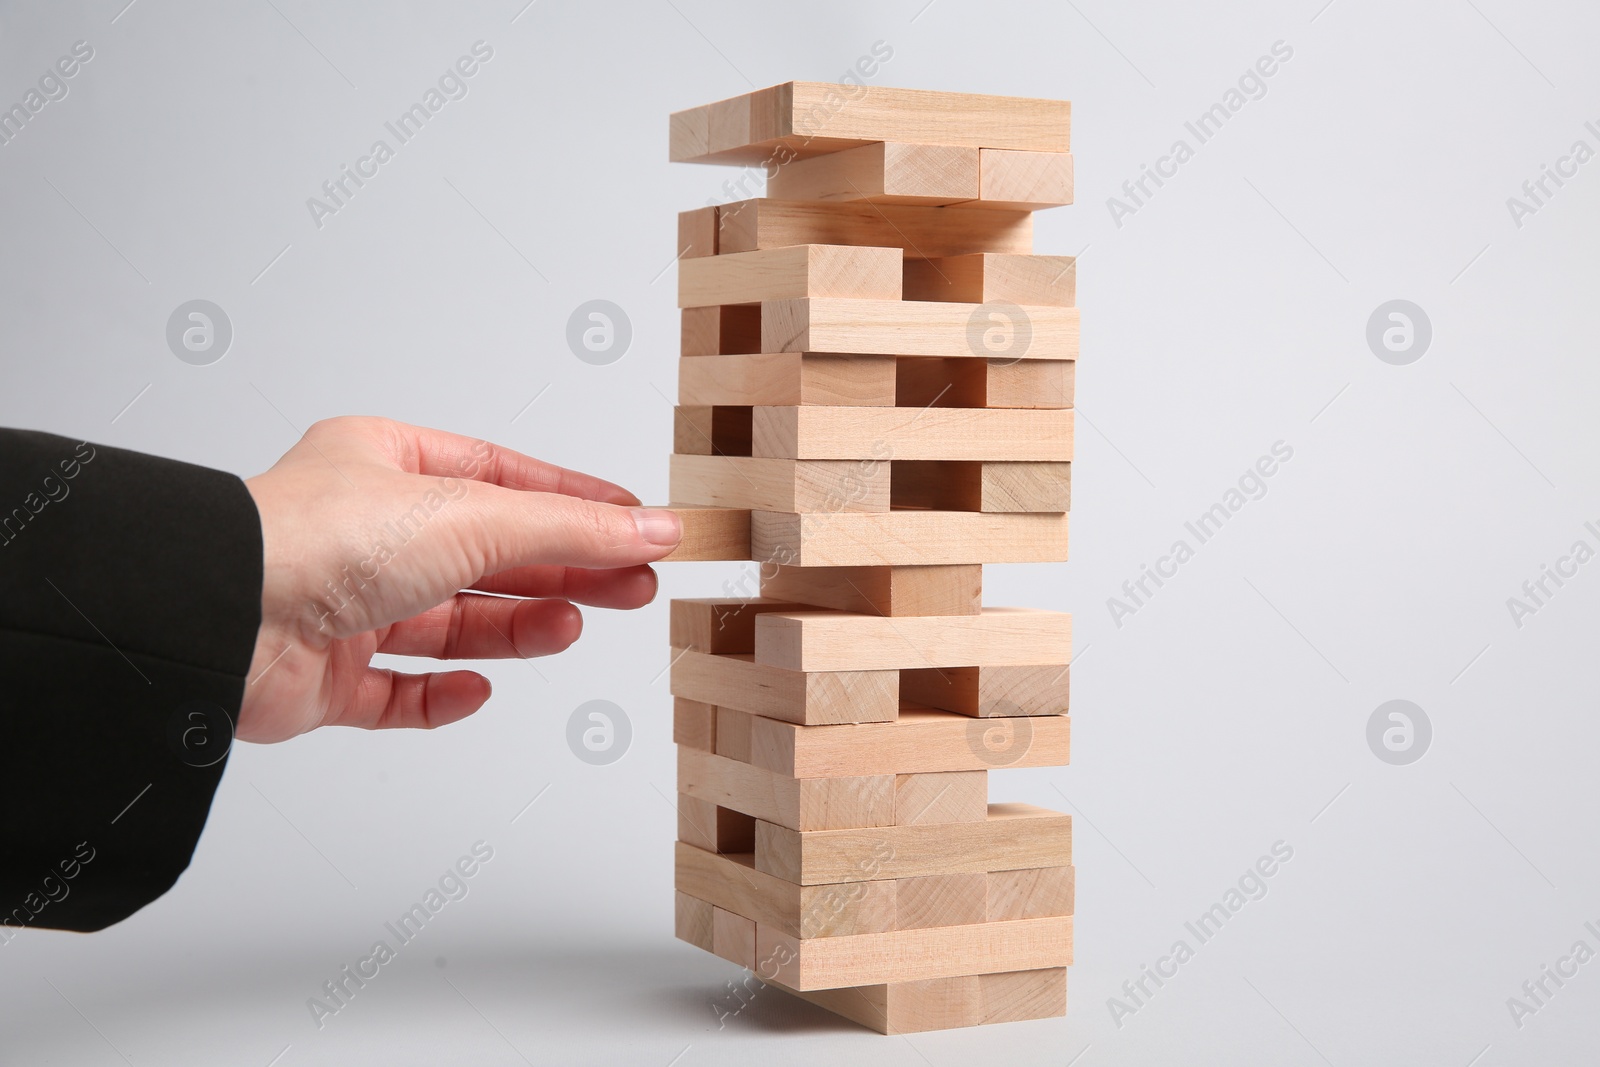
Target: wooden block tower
[{"x": 875, "y": 399}]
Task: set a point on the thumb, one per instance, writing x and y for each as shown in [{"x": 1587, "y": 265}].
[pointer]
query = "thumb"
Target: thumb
[{"x": 511, "y": 528}]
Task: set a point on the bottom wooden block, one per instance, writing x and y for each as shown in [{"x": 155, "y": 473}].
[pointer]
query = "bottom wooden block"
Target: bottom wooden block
[{"x": 943, "y": 1003}]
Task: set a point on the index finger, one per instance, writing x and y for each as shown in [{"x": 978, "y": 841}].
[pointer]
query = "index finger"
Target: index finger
[{"x": 437, "y": 453}]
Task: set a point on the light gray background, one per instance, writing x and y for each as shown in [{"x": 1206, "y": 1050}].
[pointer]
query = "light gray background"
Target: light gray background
[{"x": 1227, "y": 314}]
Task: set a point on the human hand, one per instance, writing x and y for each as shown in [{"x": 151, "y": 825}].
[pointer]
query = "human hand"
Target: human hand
[{"x": 372, "y": 531}]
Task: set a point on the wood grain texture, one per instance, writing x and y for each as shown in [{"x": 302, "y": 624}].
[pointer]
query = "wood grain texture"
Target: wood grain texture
[
  {"x": 941, "y": 900},
  {"x": 733, "y": 937},
  {"x": 839, "y": 641},
  {"x": 694, "y": 724},
  {"x": 863, "y": 433},
  {"x": 778, "y": 484},
  {"x": 906, "y": 538},
  {"x": 738, "y": 682},
  {"x": 941, "y": 796},
  {"x": 915, "y": 955},
  {"x": 1030, "y": 893},
  {"x": 989, "y": 691},
  {"x": 1027, "y": 181},
  {"x": 782, "y": 378},
  {"x": 919, "y": 740},
  {"x": 711, "y": 534},
  {"x": 1013, "y": 837},
  {"x": 893, "y": 591},
  {"x": 919, "y": 232},
  {"x": 720, "y": 625},
  {"x": 731, "y": 882},
  {"x": 942, "y": 1003},
  {"x": 838, "y": 803},
  {"x": 719, "y": 330},
  {"x": 944, "y": 328},
  {"x": 1040, "y": 281},
  {"x": 993, "y": 487},
  {"x": 932, "y": 381},
  {"x": 704, "y": 824},
  {"x": 882, "y": 173},
  {"x": 851, "y": 271},
  {"x": 692, "y": 920},
  {"x": 697, "y": 233}
]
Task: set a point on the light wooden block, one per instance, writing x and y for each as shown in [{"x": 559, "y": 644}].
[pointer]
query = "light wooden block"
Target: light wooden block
[
  {"x": 733, "y": 736},
  {"x": 694, "y": 724},
  {"x": 989, "y": 691},
  {"x": 720, "y": 330},
  {"x": 1030, "y": 893},
  {"x": 720, "y": 625},
  {"x": 881, "y": 173},
  {"x": 783, "y": 378},
  {"x": 931, "y": 381},
  {"x": 738, "y": 682},
  {"x": 941, "y": 900},
  {"x": 981, "y": 277},
  {"x": 906, "y": 538},
  {"x": 920, "y": 327},
  {"x": 852, "y": 271},
  {"x": 772, "y": 484},
  {"x": 919, "y": 232},
  {"x": 841, "y": 641},
  {"x": 941, "y": 796},
  {"x": 803, "y": 119},
  {"x": 942, "y": 1003},
  {"x": 914, "y": 955},
  {"x": 1014, "y": 836},
  {"x": 994, "y": 487},
  {"x": 799, "y": 804},
  {"x": 1023, "y": 180},
  {"x": 733, "y": 937},
  {"x": 731, "y": 882},
  {"x": 918, "y": 741},
  {"x": 894, "y": 591},
  {"x": 703, "y": 824},
  {"x": 711, "y": 534},
  {"x": 697, "y": 233},
  {"x": 692, "y": 920},
  {"x": 862, "y": 433},
  {"x": 692, "y": 430}
]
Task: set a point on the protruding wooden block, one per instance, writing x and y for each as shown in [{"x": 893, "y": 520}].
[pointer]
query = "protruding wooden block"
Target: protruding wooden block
[
  {"x": 692, "y": 920},
  {"x": 906, "y": 538},
  {"x": 914, "y": 955},
  {"x": 990, "y": 691},
  {"x": 779, "y": 484},
  {"x": 868, "y": 434},
  {"x": 720, "y": 625},
  {"x": 919, "y": 232},
  {"x": 783, "y": 378},
  {"x": 711, "y": 533},
  {"x": 881, "y": 173},
  {"x": 941, "y": 900},
  {"x": 981, "y": 277},
  {"x": 920, "y": 327},
  {"x": 733, "y": 883},
  {"x": 721, "y": 330},
  {"x": 733, "y": 937},
  {"x": 839, "y": 641},
  {"x": 942, "y": 1003},
  {"x": 1023, "y": 181},
  {"x": 799, "y": 804},
  {"x": 930, "y": 381},
  {"x": 716, "y": 829},
  {"x": 697, "y": 233},
  {"x": 996, "y": 487},
  {"x": 694, "y": 724},
  {"x": 941, "y": 796},
  {"x": 1030, "y": 893},
  {"x": 1030, "y": 383},
  {"x": 918, "y": 741},
  {"x": 896, "y": 591},
  {"x": 796, "y": 120},
  {"x": 851, "y": 271},
  {"x": 733, "y": 738},
  {"x": 737, "y": 681}
]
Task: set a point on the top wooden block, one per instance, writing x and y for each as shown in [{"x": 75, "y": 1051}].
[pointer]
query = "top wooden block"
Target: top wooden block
[{"x": 797, "y": 120}]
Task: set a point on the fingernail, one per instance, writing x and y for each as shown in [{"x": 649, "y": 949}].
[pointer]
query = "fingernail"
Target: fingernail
[{"x": 658, "y": 526}]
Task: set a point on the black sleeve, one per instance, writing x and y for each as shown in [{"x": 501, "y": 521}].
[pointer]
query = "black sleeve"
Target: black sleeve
[{"x": 130, "y": 598}]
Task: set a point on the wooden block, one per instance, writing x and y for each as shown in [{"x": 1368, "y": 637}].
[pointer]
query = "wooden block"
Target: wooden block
[
  {"x": 919, "y": 327},
  {"x": 697, "y": 233},
  {"x": 920, "y": 232},
  {"x": 1012, "y": 996},
  {"x": 852, "y": 271},
  {"x": 782, "y": 378},
  {"x": 1013, "y": 837},
  {"x": 941, "y": 796},
  {"x": 990, "y": 691},
  {"x": 929, "y": 381},
  {"x": 881, "y": 173},
  {"x": 861, "y": 433},
  {"x": 694, "y": 724},
  {"x": 1023, "y": 180},
  {"x": 721, "y": 330},
  {"x": 982, "y": 277},
  {"x": 703, "y": 824},
  {"x": 941, "y": 1003},
  {"x": 1030, "y": 893},
  {"x": 803, "y": 119},
  {"x": 994, "y": 487},
  {"x": 691, "y": 920},
  {"x": 914, "y": 955},
  {"x": 919, "y": 741},
  {"x": 826, "y": 698},
  {"x": 711, "y": 533},
  {"x": 941, "y": 900},
  {"x": 839, "y": 641},
  {"x": 712, "y": 431},
  {"x": 799, "y": 804},
  {"x": 780, "y": 484},
  {"x": 952, "y": 590},
  {"x": 906, "y": 538},
  {"x": 692, "y": 429},
  {"x": 733, "y": 738},
  {"x": 733, "y": 937},
  {"x": 732, "y": 882},
  {"x": 719, "y": 625}
]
